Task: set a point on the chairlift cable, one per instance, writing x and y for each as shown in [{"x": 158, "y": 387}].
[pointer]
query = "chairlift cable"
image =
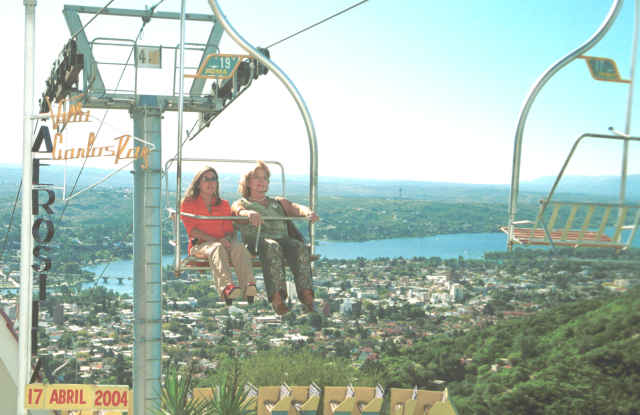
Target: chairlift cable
[
  {"x": 210, "y": 119},
  {"x": 151, "y": 11},
  {"x": 15, "y": 203},
  {"x": 6, "y": 238},
  {"x": 318, "y": 23},
  {"x": 101, "y": 274},
  {"x": 92, "y": 19},
  {"x": 189, "y": 132}
]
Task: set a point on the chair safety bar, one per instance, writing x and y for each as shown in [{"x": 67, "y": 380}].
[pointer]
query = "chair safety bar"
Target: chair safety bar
[
  {"x": 168, "y": 164},
  {"x": 184, "y": 263}
]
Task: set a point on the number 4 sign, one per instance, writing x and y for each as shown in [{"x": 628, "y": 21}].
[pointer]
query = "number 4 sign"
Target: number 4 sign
[{"x": 149, "y": 56}]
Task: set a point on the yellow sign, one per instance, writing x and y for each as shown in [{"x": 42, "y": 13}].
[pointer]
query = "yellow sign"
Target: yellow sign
[
  {"x": 116, "y": 151},
  {"x": 603, "y": 69},
  {"x": 72, "y": 114},
  {"x": 219, "y": 66},
  {"x": 78, "y": 397},
  {"x": 70, "y": 111}
]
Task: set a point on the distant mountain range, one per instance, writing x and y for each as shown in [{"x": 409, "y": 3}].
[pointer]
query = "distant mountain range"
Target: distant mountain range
[
  {"x": 608, "y": 186},
  {"x": 600, "y": 187}
]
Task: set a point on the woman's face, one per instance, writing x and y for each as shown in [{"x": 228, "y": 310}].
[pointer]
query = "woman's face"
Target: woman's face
[
  {"x": 258, "y": 183},
  {"x": 208, "y": 185}
]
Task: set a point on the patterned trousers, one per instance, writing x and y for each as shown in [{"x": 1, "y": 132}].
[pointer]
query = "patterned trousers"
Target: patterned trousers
[
  {"x": 219, "y": 261},
  {"x": 273, "y": 253}
]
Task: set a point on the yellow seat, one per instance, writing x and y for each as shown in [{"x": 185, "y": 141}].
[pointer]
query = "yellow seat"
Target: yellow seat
[{"x": 550, "y": 233}]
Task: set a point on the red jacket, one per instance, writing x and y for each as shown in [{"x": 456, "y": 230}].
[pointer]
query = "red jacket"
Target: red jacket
[{"x": 215, "y": 228}]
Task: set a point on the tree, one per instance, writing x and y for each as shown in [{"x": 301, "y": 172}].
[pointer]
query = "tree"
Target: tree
[
  {"x": 316, "y": 321},
  {"x": 175, "y": 395},
  {"x": 122, "y": 371},
  {"x": 229, "y": 396},
  {"x": 527, "y": 346},
  {"x": 228, "y": 328},
  {"x": 66, "y": 341},
  {"x": 489, "y": 309}
]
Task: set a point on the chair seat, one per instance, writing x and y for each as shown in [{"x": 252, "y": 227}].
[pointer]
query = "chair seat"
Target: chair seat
[{"x": 573, "y": 237}]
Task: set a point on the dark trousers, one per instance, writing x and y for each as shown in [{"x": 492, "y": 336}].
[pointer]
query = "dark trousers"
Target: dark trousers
[{"x": 273, "y": 253}]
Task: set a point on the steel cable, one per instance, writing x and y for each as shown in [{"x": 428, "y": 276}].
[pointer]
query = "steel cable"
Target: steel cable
[{"x": 318, "y": 23}]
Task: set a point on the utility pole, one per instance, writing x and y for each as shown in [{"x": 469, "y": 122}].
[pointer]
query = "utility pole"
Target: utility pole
[{"x": 26, "y": 242}]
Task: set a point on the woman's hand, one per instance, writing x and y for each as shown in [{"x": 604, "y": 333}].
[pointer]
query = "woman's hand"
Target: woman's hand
[
  {"x": 312, "y": 216},
  {"x": 254, "y": 217},
  {"x": 225, "y": 242}
]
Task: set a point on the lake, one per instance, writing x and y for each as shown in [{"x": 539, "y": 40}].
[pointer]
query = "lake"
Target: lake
[{"x": 466, "y": 245}]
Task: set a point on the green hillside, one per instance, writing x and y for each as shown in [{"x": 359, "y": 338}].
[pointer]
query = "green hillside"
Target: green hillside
[{"x": 578, "y": 358}]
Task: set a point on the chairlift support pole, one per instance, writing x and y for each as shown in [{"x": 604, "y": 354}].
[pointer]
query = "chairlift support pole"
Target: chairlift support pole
[
  {"x": 180, "y": 128},
  {"x": 26, "y": 242},
  {"x": 146, "y": 111},
  {"x": 533, "y": 93},
  {"x": 147, "y": 266}
]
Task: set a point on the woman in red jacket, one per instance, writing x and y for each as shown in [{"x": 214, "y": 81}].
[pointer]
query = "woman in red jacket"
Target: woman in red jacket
[{"x": 215, "y": 240}]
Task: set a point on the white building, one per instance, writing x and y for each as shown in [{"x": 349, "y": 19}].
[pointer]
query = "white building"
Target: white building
[
  {"x": 456, "y": 292},
  {"x": 621, "y": 283}
]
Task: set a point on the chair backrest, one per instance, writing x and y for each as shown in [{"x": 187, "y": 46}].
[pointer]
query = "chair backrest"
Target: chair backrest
[{"x": 589, "y": 232}]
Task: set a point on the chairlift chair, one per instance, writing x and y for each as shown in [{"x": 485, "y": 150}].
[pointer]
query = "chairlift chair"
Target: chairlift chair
[
  {"x": 192, "y": 263},
  {"x": 585, "y": 234}
]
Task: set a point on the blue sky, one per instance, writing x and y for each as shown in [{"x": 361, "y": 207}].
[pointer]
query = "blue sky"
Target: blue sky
[{"x": 415, "y": 90}]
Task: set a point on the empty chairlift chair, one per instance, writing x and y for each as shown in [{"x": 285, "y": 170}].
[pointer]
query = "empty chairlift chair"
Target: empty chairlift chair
[{"x": 586, "y": 224}]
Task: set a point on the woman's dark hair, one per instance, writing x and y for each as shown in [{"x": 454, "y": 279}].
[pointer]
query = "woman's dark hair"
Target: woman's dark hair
[{"x": 193, "y": 191}]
